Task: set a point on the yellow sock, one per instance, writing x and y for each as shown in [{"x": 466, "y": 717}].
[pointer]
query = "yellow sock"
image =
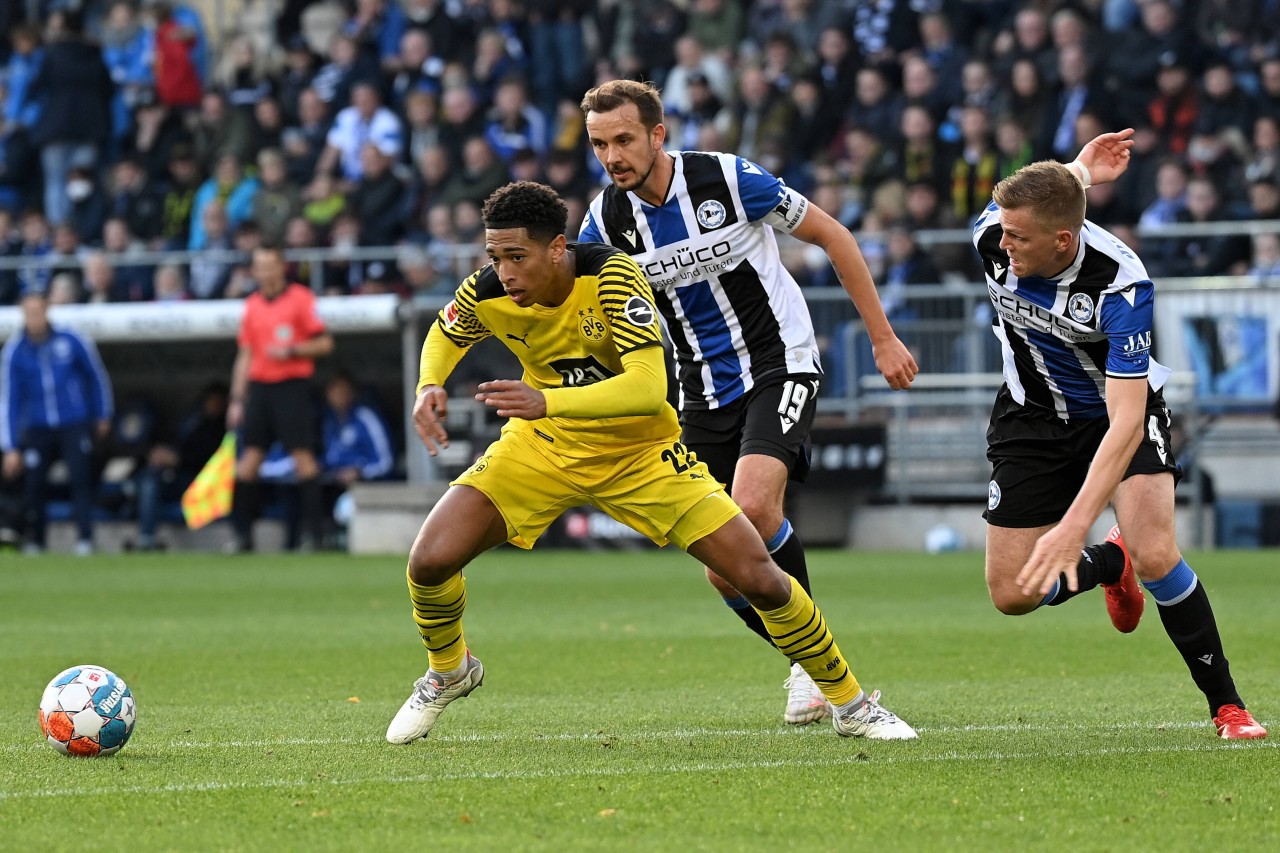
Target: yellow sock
[
  {"x": 438, "y": 612},
  {"x": 800, "y": 633}
]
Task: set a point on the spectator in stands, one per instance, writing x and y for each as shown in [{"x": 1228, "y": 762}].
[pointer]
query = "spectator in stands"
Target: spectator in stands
[
  {"x": 365, "y": 121},
  {"x": 1223, "y": 105},
  {"x": 245, "y": 239},
  {"x": 557, "y": 51},
  {"x": 127, "y": 49},
  {"x": 1264, "y": 267},
  {"x": 179, "y": 56},
  {"x": 303, "y": 142},
  {"x": 1175, "y": 109},
  {"x": 1109, "y": 208},
  {"x": 20, "y": 111},
  {"x": 123, "y": 246},
  {"x": 719, "y": 26},
  {"x": 761, "y": 121},
  {"x": 945, "y": 56},
  {"x": 135, "y": 199},
  {"x": 378, "y": 200},
  {"x": 875, "y": 104},
  {"x": 1028, "y": 101},
  {"x": 75, "y": 120},
  {"x": 64, "y": 289},
  {"x": 1264, "y": 201},
  {"x": 1264, "y": 158},
  {"x": 1169, "y": 207},
  {"x": 268, "y": 125},
  {"x": 1013, "y": 146},
  {"x": 782, "y": 63},
  {"x": 1159, "y": 41},
  {"x": 277, "y": 200},
  {"x": 882, "y": 31},
  {"x": 836, "y": 68},
  {"x": 244, "y": 74},
  {"x": 295, "y": 76},
  {"x": 171, "y": 284},
  {"x": 921, "y": 156},
  {"x": 229, "y": 186},
  {"x": 37, "y": 243},
  {"x": 920, "y": 87},
  {"x": 421, "y": 125},
  {"x": 55, "y": 399},
  {"x": 219, "y": 130},
  {"x": 414, "y": 69},
  {"x": 1207, "y": 254},
  {"x": 436, "y": 18},
  {"x": 976, "y": 169},
  {"x": 179, "y": 197},
  {"x": 1076, "y": 92},
  {"x": 460, "y": 120},
  {"x": 513, "y": 123},
  {"x": 156, "y": 131},
  {"x": 377, "y": 26},
  {"x": 280, "y": 338},
  {"x": 1028, "y": 39},
  {"x": 172, "y": 465},
  {"x": 1268, "y": 95},
  {"x": 496, "y": 61},
  {"x": 211, "y": 269},
  {"x": 357, "y": 445},
  {"x": 87, "y": 208},
  {"x": 345, "y": 67},
  {"x": 482, "y": 173}
]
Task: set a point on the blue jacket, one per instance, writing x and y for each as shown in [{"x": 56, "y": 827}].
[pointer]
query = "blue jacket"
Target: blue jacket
[
  {"x": 58, "y": 382},
  {"x": 361, "y": 441}
]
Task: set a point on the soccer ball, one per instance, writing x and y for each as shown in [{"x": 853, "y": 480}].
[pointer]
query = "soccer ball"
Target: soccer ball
[
  {"x": 87, "y": 710},
  {"x": 941, "y": 538}
]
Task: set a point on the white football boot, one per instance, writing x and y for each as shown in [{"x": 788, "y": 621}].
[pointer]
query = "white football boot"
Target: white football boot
[
  {"x": 431, "y": 694},
  {"x": 805, "y": 702},
  {"x": 871, "y": 720}
]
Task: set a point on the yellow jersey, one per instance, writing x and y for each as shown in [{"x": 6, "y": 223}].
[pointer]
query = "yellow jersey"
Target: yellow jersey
[{"x": 608, "y": 313}]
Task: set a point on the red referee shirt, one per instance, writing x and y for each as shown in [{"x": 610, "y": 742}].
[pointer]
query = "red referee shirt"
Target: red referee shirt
[{"x": 287, "y": 320}]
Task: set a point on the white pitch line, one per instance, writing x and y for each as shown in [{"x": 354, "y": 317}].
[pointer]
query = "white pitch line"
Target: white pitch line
[
  {"x": 662, "y": 735},
  {"x": 700, "y": 767}
]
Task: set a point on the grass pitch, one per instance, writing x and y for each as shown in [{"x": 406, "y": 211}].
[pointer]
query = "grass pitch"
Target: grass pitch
[{"x": 623, "y": 708}]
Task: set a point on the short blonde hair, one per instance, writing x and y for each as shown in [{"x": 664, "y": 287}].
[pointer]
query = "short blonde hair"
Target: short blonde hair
[{"x": 1049, "y": 189}]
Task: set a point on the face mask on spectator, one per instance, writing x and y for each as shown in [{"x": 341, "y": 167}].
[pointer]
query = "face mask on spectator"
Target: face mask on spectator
[{"x": 79, "y": 189}]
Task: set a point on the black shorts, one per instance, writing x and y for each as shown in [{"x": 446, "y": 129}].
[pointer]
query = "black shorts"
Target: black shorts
[
  {"x": 280, "y": 411},
  {"x": 1039, "y": 461},
  {"x": 772, "y": 419}
]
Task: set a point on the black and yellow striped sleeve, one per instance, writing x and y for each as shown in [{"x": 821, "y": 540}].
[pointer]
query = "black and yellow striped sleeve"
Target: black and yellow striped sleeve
[
  {"x": 627, "y": 301},
  {"x": 459, "y": 321}
]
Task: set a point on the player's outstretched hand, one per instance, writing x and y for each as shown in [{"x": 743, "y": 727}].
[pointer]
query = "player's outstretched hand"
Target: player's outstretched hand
[
  {"x": 1106, "y": 156},
  {"x": 896, "y": 363},
  {"x": 429, "y": 411},
  {"x": 513, "y": 399},
  {"x": 1056, "y": 552}
]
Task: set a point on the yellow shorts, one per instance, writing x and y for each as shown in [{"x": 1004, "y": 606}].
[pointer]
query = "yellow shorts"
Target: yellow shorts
[{"x": 656, "y": 488}]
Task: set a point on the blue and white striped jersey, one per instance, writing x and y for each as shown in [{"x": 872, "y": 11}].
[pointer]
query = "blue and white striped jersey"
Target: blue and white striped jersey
[
  {"x": 1062, "y": 337},
  {"x": 734, "y": 314}
]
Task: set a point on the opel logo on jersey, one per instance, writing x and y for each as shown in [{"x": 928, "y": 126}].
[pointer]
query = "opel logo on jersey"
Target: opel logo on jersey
[
  {"x": 1080, "y": 307},
  {"x": 711, "y": 214},
  {"x": 993, "y": 495},
  {"x": 639, "y": 312}
]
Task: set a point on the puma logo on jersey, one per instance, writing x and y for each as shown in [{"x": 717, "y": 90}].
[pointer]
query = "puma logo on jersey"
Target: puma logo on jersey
[
  {"x": 631, "y": 237},
  {"x": 518, "y": 338}
]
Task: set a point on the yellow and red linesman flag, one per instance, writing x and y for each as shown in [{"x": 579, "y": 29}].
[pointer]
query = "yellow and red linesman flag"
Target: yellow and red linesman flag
[{"x": 208, "y": 498}]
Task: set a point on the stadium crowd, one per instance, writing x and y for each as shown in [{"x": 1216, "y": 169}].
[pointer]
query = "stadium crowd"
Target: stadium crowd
[{"x": 385, "y": 123}]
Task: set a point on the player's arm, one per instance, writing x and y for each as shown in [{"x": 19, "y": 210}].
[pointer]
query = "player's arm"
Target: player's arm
[
  {"x": 440, "y": 355},
  {"x": 641, "y": 389},
  {"x": 893, "y": 360},
  {"x": 1058, "y": 551}
]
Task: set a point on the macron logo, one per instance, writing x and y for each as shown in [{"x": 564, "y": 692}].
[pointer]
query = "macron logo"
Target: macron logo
[
  {"x": 1207, "y": 660},
  {"x": 787, "y": 424},
  {"x": 631, "y": 237},
  {"x": 997, "y": 270}
]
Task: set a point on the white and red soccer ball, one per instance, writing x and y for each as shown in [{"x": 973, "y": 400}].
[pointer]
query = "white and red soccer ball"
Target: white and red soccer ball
[{"x": 87, "y": 710}]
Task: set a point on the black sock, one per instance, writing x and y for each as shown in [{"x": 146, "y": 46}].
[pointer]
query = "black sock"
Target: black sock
[
  {"x": 1103, "y": 563},
  {"x": 1193, "y": 629},
  {"x": 310, "y": 507},
  {"x": 246, "y": 506},
  {"x": 749, "y": 616},
  {"x": 789, "y": 555},
  {"x": 787, "y": 551}
]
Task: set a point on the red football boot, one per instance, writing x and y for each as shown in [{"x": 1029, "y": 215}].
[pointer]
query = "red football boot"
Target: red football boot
[
  {"x": 1235, "y": 723},
  {"x": 1124, "y": 597}
]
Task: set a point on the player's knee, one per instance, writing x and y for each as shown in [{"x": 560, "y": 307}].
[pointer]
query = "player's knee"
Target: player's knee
[
  {"x": 1011, "y": 601},
  {"x": 726, "y": 589},
  {"x": 428, "y": 567},
  {"x": 1151, "y": 564},
  {"x": 763, "y": 515}
]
